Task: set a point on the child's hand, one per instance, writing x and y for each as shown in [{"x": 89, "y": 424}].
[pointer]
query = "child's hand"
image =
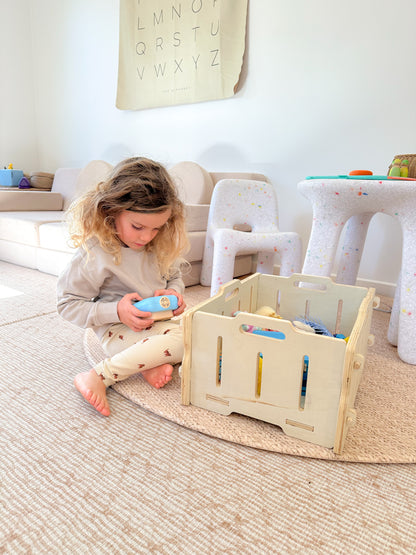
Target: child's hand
[
  {"x": 131, "y": 316},
  {"x": 181, "y": 304}
]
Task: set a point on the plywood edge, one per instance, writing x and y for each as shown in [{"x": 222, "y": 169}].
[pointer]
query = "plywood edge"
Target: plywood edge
[{"x": 353, "y": 367}]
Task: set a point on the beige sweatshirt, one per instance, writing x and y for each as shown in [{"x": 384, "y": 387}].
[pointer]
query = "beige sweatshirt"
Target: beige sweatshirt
[{"x": 88, "y": 290}]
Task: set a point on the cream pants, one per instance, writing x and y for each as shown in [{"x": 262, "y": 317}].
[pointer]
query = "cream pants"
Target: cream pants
[{"x": 131, "y": 352}]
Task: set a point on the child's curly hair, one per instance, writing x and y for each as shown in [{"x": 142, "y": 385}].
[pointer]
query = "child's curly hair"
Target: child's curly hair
[{"x": 136, "y": 184}]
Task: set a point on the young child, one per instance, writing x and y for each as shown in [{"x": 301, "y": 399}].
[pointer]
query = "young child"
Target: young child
[{"x": 130, "y": 234}]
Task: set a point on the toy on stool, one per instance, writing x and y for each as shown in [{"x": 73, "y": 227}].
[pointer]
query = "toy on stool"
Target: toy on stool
[
  {"x": 399, "y": 168},
  {"x": 161, "y": 307}
]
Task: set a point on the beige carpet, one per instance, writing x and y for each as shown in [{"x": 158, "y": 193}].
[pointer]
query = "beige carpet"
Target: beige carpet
[
  {"x": 386, "y": 425},
  {"x": 72, "y": 481}
]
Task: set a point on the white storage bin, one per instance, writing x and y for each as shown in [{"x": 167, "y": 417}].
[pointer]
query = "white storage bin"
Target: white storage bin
[{"x": 226, "y": 369}]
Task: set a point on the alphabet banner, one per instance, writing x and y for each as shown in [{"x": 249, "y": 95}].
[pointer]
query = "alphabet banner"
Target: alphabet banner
[{"x": 179, "y": 51}]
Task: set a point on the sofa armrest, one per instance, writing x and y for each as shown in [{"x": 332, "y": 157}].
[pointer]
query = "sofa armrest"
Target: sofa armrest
[{"x": 21, "y": 200}]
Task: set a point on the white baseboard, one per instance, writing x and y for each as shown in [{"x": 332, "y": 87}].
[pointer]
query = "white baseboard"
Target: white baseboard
[{"x": 384, "y": 288}]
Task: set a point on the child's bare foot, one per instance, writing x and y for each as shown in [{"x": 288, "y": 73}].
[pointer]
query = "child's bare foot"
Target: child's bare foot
[
  {"x": 159, "y": 375},
  {"x": 92, "y": 388}
]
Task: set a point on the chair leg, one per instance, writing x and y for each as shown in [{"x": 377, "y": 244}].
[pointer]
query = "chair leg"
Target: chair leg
[
  {"x": 222, "y": 266},
  {"x": 206, "y": 270},
  {"x": 265, "y": 262}
]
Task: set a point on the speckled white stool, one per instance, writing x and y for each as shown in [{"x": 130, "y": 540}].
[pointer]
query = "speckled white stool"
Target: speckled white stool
[
  {"x": 337, "y": 202},
  {"x": 243, "y": 202}
]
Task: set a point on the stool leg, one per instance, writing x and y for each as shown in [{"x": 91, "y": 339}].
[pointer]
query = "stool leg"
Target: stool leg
[
  {"x": 406, "y": 305},
  {"x": 393, "y": 331},
  {"x": 323, "y": 242},
  {"x": 352, "y": 248}
]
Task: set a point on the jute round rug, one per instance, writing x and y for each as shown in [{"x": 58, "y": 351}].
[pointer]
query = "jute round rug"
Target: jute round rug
[{"x": 385, "y": 431}]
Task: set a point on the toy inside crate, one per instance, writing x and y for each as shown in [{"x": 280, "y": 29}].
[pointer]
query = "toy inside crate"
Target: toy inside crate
[{"x": 305, "y": 383}]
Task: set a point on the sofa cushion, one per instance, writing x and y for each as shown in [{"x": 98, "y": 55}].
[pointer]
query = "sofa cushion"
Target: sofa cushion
[
  {"x": 72, "y": 182},
  {"x": 30, "y": 200},
  {"x": 197, "y": 244},
  {"x": 196, "y": 217},
  {"x": 23, "y": 227},
  {"x": 64, "y": 182},
  {"x": 54, "y": 236},
  {"x": 90, "y": 175},
  {"x": 19, "y": 253},
  {"x": 193, "y": 182}
]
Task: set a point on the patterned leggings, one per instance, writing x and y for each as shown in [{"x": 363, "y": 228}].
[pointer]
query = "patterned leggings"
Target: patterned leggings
[{"x": 131, "y": 352}]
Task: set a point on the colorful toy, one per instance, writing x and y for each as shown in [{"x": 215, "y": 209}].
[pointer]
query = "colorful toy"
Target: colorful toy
[
  {"x": 267, "y": 332},
  {"x": 395, "y": 169},
  {"x": 10, "y": 177},
  {"x": 303, "y": 324},
  {"x": 24, "y": 183},
  {"x": 399, "y": 168},
  {"x": 259, "y": 374},
  {"x": 361, "y": 172},
  {"x": 304, "y": 381},
  {"x": 316, "y": 326},
  {"x": 300, "y": 325},
  {"x": 161, "y": 307},
  {"x": 267, "y": 311},
  {"x": 404, "y": 168}
]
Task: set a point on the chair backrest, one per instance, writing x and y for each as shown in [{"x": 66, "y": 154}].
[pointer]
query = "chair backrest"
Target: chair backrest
[{"x": 237, "y": 203}]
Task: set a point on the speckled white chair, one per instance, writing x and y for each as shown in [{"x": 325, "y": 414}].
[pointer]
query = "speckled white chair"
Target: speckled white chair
[{"x": 238, "y": 204}]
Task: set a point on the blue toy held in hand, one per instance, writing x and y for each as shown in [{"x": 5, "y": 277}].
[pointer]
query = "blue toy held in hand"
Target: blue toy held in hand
[{"x": 161, "y": 307}]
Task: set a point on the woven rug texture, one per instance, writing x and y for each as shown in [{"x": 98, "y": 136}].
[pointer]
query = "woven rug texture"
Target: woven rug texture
[
  {"x": 72, "y": 481},
  {"x": 386, "y": 425}
]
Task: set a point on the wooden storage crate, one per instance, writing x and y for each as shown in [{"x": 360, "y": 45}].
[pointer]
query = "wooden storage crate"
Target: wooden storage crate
[{"x": 226, "y": 369}]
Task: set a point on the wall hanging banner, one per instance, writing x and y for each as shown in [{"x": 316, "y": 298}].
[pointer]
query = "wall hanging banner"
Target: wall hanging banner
[{"x": 179, "y": 51}]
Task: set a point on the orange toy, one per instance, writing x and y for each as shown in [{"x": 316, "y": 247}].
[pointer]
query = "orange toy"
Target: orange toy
[{"x": 361, "y": 172}]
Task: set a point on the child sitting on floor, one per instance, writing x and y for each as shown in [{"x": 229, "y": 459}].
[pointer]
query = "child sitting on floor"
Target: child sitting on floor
[{"x": 130, "y": 234}]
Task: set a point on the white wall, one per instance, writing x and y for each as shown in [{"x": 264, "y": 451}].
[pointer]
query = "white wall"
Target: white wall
[
  {"x": 17, "y": 107},
  {"x": 328, "y": 86}
]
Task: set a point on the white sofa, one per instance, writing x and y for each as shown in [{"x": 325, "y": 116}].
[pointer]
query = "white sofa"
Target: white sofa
[{"x": 33, "y": 232}]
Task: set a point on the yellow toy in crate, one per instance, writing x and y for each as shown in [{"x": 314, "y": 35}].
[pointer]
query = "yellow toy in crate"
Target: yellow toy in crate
[{"x": 303, "y": 382}]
